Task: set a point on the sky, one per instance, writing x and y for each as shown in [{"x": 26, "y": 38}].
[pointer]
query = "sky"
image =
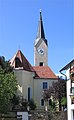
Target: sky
[{"x": 19, "y": 25}]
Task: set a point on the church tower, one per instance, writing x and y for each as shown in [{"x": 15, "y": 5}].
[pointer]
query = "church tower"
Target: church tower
[{"x": 40, "y": 46}]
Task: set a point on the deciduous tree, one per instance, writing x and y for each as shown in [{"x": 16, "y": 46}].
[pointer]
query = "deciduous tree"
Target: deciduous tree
[
  {"x": 8, "y": 84},
  {"x": 57, "y": 90}
]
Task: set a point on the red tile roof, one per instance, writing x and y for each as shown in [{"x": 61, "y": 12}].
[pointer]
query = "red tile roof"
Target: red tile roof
[
  {"x": 44, "y": 72},
  {"x": 24, "y": 62},
  {"x": 40, "y": 71}
]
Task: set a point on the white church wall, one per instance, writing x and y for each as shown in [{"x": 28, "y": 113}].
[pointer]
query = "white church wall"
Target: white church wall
[
  {"x": 25, "y": 80},
  {"x": 38, "y": 89}
]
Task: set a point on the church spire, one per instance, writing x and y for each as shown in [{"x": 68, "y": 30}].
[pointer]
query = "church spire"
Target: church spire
[
  {"x": 40, "y": 46},
  {"x": 40, "y": 33}
]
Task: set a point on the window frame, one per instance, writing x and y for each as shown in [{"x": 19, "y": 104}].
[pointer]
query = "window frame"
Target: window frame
[{"x": 44, "y": 88}]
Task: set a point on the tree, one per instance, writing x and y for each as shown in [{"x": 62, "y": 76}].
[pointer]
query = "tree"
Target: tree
[
  {"x": 31, "y": 104},
  {"x": 57, "y": 90},
  {"x": 15, "y": 101},
  {"x": 8, "y": 84},
  {"x": 64, "y": 102}
]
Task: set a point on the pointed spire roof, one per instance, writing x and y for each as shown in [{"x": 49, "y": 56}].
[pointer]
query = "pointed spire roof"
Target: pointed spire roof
[
  {"x": 40, "y": 33},
  {"x": 20, "y": 61}
]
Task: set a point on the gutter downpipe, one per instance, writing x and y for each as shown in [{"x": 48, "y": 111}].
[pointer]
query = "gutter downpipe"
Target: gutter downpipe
[
  {"x": 66, "y": 80},
  {"x": 63, "y": 74}
]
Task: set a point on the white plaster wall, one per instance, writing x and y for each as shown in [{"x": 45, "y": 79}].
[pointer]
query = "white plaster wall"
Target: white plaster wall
[
  {"x": 18, "y": 74},
  {"x": 38, "y": 90},
  {"x": 70, "y": 107},
  {"x": 25, "y": 80},
  {"x": 68, "y": 100}
]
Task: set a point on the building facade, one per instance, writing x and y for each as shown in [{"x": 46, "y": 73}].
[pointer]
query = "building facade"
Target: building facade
[
  {"x": 68, "y": 71},
  {"x": 33, "y": 80}
]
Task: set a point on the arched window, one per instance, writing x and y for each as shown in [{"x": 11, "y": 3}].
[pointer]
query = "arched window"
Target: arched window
[
  {"x": 50, "y": 102},
  {"x": 42, "y": 102}
]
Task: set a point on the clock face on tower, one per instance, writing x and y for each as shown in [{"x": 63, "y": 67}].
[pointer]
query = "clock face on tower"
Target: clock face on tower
[{"x": 41, "y": 51}]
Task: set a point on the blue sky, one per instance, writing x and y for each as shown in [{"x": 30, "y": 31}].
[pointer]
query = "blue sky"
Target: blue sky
[{"x": 19, "y": 23}]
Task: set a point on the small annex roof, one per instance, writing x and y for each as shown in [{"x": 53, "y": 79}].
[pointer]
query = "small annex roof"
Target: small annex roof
[
  {"x": 20, "y": 61},
  {"x": 44, "y": 72},
  {"x": 68, "y": 65}
]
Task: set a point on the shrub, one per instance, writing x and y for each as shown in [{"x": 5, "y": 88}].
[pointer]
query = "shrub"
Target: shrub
[
  {"x": 32, "y": 104},
  {"x": 24, "y": 104}
]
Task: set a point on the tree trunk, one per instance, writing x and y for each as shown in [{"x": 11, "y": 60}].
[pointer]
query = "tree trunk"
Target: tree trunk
[
  {"x": 46, "y": 105},
  {"x": 59, "y": 104}
]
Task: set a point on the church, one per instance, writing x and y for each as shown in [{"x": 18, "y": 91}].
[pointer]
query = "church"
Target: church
[{"x": 33, "y": 80}]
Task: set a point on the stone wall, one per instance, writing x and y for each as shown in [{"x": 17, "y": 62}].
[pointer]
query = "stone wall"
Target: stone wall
[
  {"x": 39, "y": 115},
  {"x": 8, "y": 118},
  {"x": 42, "y": 115}
]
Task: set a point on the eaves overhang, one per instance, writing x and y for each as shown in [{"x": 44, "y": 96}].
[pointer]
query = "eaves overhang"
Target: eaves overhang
[{"x": 67, "y": 66}]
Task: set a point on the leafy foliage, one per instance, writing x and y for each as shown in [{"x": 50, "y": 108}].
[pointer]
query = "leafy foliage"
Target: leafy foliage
[
  {"x": 64, "y": 102},
  {"x": 32, "y": 104},
  {"x": 52, "y": 104},
  {"x": 8, "y": 84},
  {"x": 57, "y": 90},
  {"x": 29, "y": 103},
  {"x": 46, "y": 94},
  {"x": 5, "y": 65},
  {"x": 15, "y": 101},
  {"x": 24, "y": 104}
]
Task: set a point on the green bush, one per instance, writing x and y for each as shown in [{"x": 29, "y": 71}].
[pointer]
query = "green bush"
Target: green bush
[
  {"x": 52, "y": 105},
  {"x": 32, "y": 104},
  {"x": 64, "y": 101},
  {"x": 29, "y": 103},
  {"x": 24, "y": 104}
]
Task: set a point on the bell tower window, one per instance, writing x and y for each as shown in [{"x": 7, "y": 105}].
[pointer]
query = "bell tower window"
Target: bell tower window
[{"x": 41, "y": 64}]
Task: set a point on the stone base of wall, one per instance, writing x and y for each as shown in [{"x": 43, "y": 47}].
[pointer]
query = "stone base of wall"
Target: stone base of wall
[
  {"x": 39, "y": 115},
  {"x": 8, "y": 118},
  {"x": 42, "y": 115}
]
